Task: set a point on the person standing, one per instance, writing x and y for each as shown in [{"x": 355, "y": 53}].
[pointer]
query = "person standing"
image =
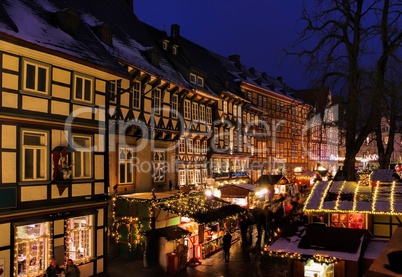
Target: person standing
[
  {"x": 227, "y": 244},
  {"x": 53, "y": 270},
  {"x": 72, "y": 270}
]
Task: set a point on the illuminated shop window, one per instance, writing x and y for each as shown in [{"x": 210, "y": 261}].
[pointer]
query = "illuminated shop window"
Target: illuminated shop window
[
  {"x": 80, "y": 238},
  {"x": 32, "y": 249},
  {"x": 356, "y": 221},
  {"x": 314, "y": 269}
]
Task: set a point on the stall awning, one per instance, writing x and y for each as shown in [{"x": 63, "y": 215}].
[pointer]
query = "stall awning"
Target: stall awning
[
  {"x": 266, "y": 180},
  {"x": 171, "y": 233}
]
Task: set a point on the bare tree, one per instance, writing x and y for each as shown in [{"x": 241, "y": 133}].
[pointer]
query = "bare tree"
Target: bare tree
[{"x": 346, "y": 54}]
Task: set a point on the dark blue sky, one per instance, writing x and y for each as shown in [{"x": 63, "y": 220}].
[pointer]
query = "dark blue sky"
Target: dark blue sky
[{"x": 257, "y": 30}]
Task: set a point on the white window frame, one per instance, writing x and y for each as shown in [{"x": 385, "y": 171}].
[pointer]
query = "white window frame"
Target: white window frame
[
  {"x": 193, "y": 78},
  {"x": 159, "y": 157},
  {"x": 157, "y": 97},
  {"x": 35, "y": 87},
  {"x": 195, "y": 111},
  {"x": 136, "y": 95},
  {"x": 187, "y": 109},
  {"x": 190, "y": 176},
  {"x": 200, "y": 81},
  {"x": 209, "y": 115},
  {"x": 204, "y": 175},
  {"x": 113, "y": 90},
  {"x": 225, "y": 107},
  {"x": 197, "y": 147},
  {"x": 174, "y": 106},
  {"x": 165, "y": 44},
  {"x": 174, "y": 49},
  {"x": 182, "y": 177},
  {"x": 204, "y": 147},
  {"x": 202, "y": 113},
  {"x": 82, "y": 169},
  {"x": 84, "y": 91},
  {"x": 234, "y": 110},
  {"x": 197, "y": 176},
  {"x": 80, "y": 238},
  {"x": 182, "y": 146},
  {"x": 126, "y": 157},
  {"x": 39, "y": 156},
  {"x": 35, "y": 246},
  {"x": 190, "y": 146}
]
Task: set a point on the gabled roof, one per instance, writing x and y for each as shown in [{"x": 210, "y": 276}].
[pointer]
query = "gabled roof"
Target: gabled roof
[
  {"x": 342, "y": 196},
  {"x": 383, "y": 175},
  {"x": 319, "y": 240},
  {"x": 265, "y": 180},
  {"x": 34, "y": 23}
]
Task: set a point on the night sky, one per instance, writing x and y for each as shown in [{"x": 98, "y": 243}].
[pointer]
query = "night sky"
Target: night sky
[{"x": 257, "y": 30}]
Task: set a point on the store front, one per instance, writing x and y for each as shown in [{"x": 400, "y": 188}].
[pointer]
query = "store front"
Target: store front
[{"x": 29, "y": 242}]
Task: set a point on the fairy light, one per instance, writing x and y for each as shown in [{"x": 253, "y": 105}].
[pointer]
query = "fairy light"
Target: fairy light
[
  {"x": 375, "y": 195},
  {"x": 338, "y": 199},
  {"x": 392, "y": 197},
  {"x": 324, "y": 195}
]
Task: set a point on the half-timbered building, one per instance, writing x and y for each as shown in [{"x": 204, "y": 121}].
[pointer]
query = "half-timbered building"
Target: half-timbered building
[{"x": 54, "y": 80}]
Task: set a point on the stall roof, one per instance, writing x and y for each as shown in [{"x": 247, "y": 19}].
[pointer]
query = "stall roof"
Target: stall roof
[
  {"x": 343, "y": 196},
  {"x": 194, "y": 205},
  {"x": 171, "y": 232},
  {"x": 341, "y": 243},
  {"x": 265, "y": 180},
  {"x": 237, "y": 190}
]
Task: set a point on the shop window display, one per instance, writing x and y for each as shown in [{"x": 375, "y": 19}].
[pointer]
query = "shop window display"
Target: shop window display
[
  {"x": 80, "y": 238},
  {"x": 32, "y": 247},
  {"x": 313, "y": 269}
]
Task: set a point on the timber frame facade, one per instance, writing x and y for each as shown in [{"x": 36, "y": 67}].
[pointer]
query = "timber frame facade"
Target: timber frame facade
[{"x": 95, "y": 103}]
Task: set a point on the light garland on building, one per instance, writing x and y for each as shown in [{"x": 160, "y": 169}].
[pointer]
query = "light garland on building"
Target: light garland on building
[
  {"x": 338, "y": 199},
  {"x": 303, "y": 257},
  {"x": 375, "y": 196}
]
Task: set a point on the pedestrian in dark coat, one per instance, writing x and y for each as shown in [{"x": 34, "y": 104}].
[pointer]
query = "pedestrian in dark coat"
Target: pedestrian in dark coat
[
  {"x": 72, "y": 270},
  {"x": 227, "y": 244}
]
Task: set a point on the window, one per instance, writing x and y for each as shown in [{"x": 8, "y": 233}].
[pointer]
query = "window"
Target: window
[
  {"x": 82, "y": 167},
  {"x": 187, "y": 111},
  {"x": 204, "y": 147},
  {"x": 34, "y": 155},
  {"x": 174, "y": 105},
  {"x": 235, "y": 139},
  {"x": 200, "y": 81},
  {"x": 259, "y": 100},
  {"x": 204, "y": 175},
  {"x": 126, "y": 165},
  {"x": 197, "y": 148},
  {"x": 157, "y": 101},
  {"x": 193, "y": 78},
  {"x": 165, "y": 44},
  {"x": 80, "y": 238},
  {"x": 197, "y": 176},
  {"x": 209, "y": 115},
  {"x": 174, "y": 50},
  {"x": 83, "y": 87},
  {"x": 159, "y": 165},
  {"x": 235, "y": 111},
  {"x": 32, "y": 244},
  {"x": 136, "y": 92},
  {"x": 113, "y": 90},
  {"x": 182, "y": 177},
  {"x": 36, "y": 77},
  {"x": 225, "y": 107},
  {"x": 182, "y": 146},
  {"x": 190, "y": 146},
  {"x": 264, "y": 102},
  {"x": 190, "y": 176},
  {"x": 202, "y": 113},
  {"x": 195, "y": 111}
]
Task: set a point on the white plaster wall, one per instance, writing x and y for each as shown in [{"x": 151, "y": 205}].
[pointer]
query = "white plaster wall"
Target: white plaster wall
[
  {"x": 9, "y": 138},
  {"x": 11, "y": 62},
  {"x": 9, "y": 100},
  {"x": 32, "y": 193},
  {"x": 8, "y": 172},
  {"x": 58, "y": 227},
  {"x": 34, "y": 104},
  {"x": 81, "y": 189},
  {"x": 5, "y": 234}
]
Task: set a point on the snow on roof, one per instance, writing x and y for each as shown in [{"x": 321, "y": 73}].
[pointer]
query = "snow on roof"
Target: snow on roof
[{"x": 341, "y": 196}]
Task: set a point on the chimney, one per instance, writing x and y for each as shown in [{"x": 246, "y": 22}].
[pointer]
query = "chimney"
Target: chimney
[
  {"x": 175, "y": 30},
  {"x": 235, "y": 58},
  {"x": 280, "y": 79}
]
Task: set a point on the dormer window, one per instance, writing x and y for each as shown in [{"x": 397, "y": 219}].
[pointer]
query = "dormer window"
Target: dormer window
[
  {"x": 104, "y": 33},
  {"x": 165, "y": 44},
  {"x": 174, "y": 50},
  {"x": 197, "y": 80}
]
